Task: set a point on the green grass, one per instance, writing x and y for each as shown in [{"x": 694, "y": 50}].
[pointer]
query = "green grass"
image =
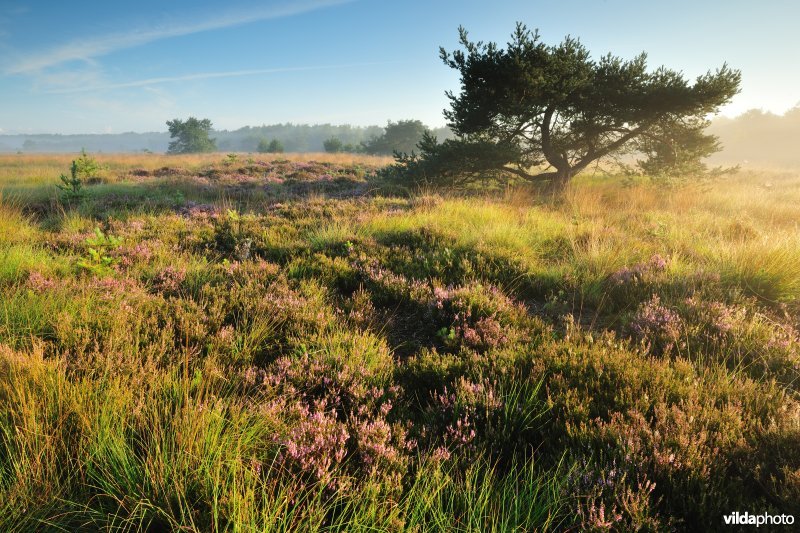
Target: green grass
[{"x": 262, "y": 352}]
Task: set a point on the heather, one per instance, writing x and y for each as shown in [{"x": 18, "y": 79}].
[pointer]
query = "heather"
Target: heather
[{"x": 241, "y": 343}]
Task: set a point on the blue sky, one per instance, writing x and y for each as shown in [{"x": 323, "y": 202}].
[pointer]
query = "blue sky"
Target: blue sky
[{"x": 94, "y": 67}]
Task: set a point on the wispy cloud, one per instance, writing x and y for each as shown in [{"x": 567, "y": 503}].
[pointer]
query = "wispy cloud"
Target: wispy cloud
[
  {"x": 86, "y": 50},
  {"x": 206, "y": 75}
]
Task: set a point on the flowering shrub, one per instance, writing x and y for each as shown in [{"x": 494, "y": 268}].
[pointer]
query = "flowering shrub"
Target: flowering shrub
[
  {"x": 343, "y": 435},
  {"x": 740, "y": 336},
  {"x": 168, "y": 281},
  {"x": 40, "y": 283},
  {"x": 136, "y": 254},
  {"x": 639, "y": 272},
  {"x": 476, "y": 317},
  {"x": 316, "y": 445},
  {"x": 658, "y": 327}
]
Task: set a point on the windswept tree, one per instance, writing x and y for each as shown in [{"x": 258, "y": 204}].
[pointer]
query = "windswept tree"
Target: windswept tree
[
  {"x": 190, "y": 136},
  {"x": 555, "y": 109}
]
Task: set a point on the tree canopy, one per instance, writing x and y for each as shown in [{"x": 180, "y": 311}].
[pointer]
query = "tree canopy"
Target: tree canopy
[
  {"x": 333, "y": 145},
  {"x": 275, "y": 147},
  {"x": 269, "y": 147},
  {"x": 190, "y": 136},
  {"x": 401, "y": 136},
  {"x": 552, "y": 107}
]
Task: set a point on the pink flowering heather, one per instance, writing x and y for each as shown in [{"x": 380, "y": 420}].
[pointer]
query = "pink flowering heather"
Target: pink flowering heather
[
  {"x": 657, "y": 326},
  {"x": 316, "y": 446},
  {"x": 640, "y": 271},
  {"x": 169, "y": 280},
  {"x": 381, "y": 447},
  {"x": 111, "y": 288},
  {"x": 467, "y": 412},
  {"x": 389, "y": 282},
  {"x": 41, "y": 283},
  {"x": 487, "y": 333},
  {"x": 461, "y": 433},
  {"x": 473, "y": 314},
  {"x": 128, "y": 256},
  {"x": 133, "y": 226},
  {"x": 440, "y": 296},
  {"x": 440, "y": 454},
  {"x": 341, "y": 420},
  {"x": 716, "y": 317},
  {"x": 783, "y": 338},
  {"x": 595, "y": 518},
  {"x": 75, "y": 241}
]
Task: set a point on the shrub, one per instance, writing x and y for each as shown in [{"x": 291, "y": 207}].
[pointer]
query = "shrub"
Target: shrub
[
  {"x": 83, "y": 170},
  {"x": 99, "y": 247},
  {"x": 230, "y": 237},
  {"x": 71, "y": 187},
  {"x": 87, "y": 167},
  {"x": 657, "y": 326}
]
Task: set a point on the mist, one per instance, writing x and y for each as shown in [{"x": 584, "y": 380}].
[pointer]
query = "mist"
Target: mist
[
  {"x": 758, "y": 139},
  {"x": 298, "y": 138},
  {"x": 755, "y": 138}
]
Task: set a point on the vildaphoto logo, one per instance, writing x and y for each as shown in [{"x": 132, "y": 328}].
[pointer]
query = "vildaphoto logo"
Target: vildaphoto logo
[{"x": 747, "y": 519}]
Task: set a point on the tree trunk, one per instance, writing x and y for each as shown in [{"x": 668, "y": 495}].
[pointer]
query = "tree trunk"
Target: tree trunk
[
  {"x": 560, "y": 180},
  {"x": 558, "y": 160}
]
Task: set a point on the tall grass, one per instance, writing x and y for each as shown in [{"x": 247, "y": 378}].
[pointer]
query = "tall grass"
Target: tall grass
[{"x": 261, "y": 355}]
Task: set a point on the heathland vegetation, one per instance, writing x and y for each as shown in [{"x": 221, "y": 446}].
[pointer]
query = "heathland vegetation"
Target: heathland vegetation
[
  {"x": 214, "y": 343},
  {"x": 251, "y": 342}
]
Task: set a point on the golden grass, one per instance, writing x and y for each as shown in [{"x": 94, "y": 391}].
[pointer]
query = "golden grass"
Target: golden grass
[
  {"x": 768, "y": 200},
  {"x": 31, "y": 169}
]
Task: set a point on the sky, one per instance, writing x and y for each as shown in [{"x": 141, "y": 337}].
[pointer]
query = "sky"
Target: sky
[{"x": 111, "y": 67}]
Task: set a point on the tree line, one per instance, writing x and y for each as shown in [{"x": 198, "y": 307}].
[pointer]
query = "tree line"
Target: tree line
[
  {"x": 194, "y": 135},
  {"x": 292, "y": 137}
]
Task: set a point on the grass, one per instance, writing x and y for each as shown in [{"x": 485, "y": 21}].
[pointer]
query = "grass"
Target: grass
[
  {"x": 30, "y": 170},
  {"x": 283, "y": 345}
]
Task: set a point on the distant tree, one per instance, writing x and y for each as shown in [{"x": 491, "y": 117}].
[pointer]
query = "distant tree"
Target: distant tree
[
  {"x": 29, "y": 145},
  {"x": 333, "y": 145},
  {"x": 263, "y": 146},
  {"x": 190, "y": 136},
  {"x": 275, "y": 147},
  {"x": 351, "y": 148},
  {"x": 401, "y": 137},
  {"x": 531, "y": 105}
]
